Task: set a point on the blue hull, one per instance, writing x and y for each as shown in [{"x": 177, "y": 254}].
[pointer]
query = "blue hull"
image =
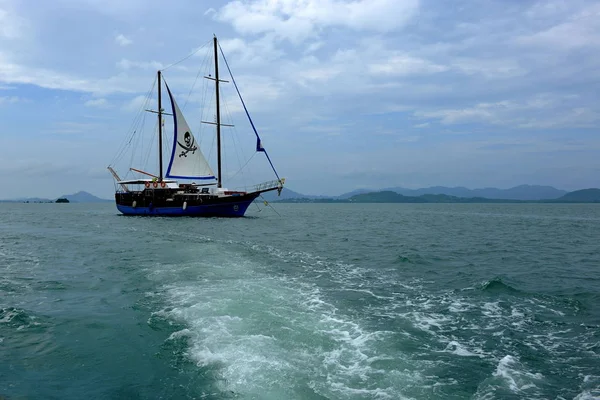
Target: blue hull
[{"x": 230, "y": 209}]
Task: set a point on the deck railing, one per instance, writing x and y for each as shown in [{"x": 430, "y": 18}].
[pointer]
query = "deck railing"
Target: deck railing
[{"x": 265, "y": 186}]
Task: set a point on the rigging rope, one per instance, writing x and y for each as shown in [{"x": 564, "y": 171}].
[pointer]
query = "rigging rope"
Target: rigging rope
[
  {"x": 269, "y": 205},
  {"x": 186, "y": 57},
  {"x": 137, "y": 120},
  {"x": 243, "y": 166},
  {"x": 235, "y": 137},
  {"x": 258, "y": 144}
]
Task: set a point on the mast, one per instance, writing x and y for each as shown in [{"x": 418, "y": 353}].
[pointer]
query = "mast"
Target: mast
[
  {"x": 160, "y": 158},
  {"x": 219, "y": 183}
]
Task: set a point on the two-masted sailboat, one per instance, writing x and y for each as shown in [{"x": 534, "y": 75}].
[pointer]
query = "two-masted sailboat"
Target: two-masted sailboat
[{"x": 163, "y": 195}]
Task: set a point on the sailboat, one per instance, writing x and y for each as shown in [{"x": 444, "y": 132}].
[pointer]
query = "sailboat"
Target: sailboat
[{"x": 162, "y": 194}]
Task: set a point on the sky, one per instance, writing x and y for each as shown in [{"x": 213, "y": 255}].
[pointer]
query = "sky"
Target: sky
[{"x": 345, "y": 94}]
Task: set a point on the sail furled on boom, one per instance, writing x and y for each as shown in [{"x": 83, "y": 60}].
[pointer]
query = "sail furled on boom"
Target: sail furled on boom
[
  {"x": 259, "y": 146},
  {"x": 187, "y": 160}
]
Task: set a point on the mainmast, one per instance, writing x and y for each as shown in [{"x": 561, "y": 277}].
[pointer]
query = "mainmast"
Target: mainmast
[
  {"x": 160, "y": 158},
  {"x": 219, "y": 182}
]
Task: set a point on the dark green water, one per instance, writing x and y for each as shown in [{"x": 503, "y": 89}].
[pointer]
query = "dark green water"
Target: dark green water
[{"x": 327, "y": 302}]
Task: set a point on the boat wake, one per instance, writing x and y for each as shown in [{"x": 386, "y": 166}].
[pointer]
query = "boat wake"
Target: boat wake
[{"x": 269, "y": 323}]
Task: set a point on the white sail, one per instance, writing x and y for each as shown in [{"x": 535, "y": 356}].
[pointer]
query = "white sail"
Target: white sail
[{"x": 187, "y": 161}]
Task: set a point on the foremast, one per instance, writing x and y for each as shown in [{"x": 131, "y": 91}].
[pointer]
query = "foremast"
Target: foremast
[{"x": 160, "y": 156}]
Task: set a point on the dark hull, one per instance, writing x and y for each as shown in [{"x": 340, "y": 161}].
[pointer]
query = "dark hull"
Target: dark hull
[{"x": 167, "y": 202}]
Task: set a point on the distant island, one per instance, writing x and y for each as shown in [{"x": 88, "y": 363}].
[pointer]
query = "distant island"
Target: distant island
[
  {"x": 521, "y": 192},
  {"x": 388, "y": 196},
  {"x": 79, "y": 197}
]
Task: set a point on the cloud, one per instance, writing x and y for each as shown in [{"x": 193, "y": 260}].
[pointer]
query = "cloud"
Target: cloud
[
  {"x": 580, "y": 30},
  {"x": 10, "y": 99},
  {"x": 486, "y": 112},
  {"x": 71, "y": 128},
  {"x": 12, "y": 26},
  {"x": 96, "y": 103},
  {"x": 311, "y": 48},
  {"x": 15, "y": 73},
  {"x": 579, "y": 117},
  {"x": 35, "y": 168},
  {"x": 538, "y": 112},
  {"x": 298, "y": 20},
  {"x": 489, "y": 68},
  {"x": 150, "y": 65},
  {"x": 137, "y": 103},
  {"x": 251, "y": 53},
  {"x": 122, "y": 40},
  {"x": 406, "y": 65}
]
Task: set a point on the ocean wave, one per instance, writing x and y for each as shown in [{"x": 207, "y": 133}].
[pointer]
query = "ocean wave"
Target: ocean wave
[
  {"x": 496, "y": 285},
  {"x": 415, "y": 258},
  {"x": 264, "y": 319},
  {"x": 511, "y": 378},
  {"x": 16, "y": 317}
]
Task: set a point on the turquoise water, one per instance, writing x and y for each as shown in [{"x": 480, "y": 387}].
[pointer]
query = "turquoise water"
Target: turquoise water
[{"x": 328, "y": 301}]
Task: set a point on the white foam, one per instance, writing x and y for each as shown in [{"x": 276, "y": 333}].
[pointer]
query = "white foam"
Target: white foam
[
  {"x": 456, "y": 348},
  {"x": 491, "y": 309},
  {"x": 427, "y": 322},
  {"x": 376, "y": 393},
  {"x": 459, "y": 307},
  {"x": 515, "y": 376},
  {"x": 369, "y": 292},
  {"x": 9, "y": 315},
  {"x": 590, "y": 388},
  {"x": 588, "y": 395},
  {"x": 265, "y": 333},
  {"x": 184, "y": 333}
]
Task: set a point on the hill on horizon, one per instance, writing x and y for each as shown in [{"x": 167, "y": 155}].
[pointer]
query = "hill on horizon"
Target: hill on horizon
[
  {"x": 79, "y": 197},
  {"x": 289, "y": 194},
  {"x": 84, "y": 197},
  {"x": 591, "y": 195},
  {"x": 586, "y": 195},
  {"x": 521, "y": 192}
]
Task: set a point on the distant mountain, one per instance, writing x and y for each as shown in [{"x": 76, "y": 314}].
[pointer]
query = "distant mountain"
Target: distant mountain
[
  {"x": 522, "y": 192},
  {"x": 353, "y": 193},
  {"x": 444, "y": 198},
  {"x": 585, "y": 195},
  {"x": 387, "y": 196},
  {"x": 393, "y": 197},
  {"x": 289, "y": 194},
  {"x": 84, "y": 197},
  {"x": 79, "y": 197},
  {"x": 285, "y": 194},
  {"x": 450, "y": 191}
]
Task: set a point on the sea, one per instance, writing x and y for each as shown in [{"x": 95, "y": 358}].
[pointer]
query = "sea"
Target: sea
[{"x": 301, "y": 301}]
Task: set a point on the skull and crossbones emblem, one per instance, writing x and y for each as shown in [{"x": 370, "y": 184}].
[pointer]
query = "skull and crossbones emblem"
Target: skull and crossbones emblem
[{"x": 189, "y": 145}]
